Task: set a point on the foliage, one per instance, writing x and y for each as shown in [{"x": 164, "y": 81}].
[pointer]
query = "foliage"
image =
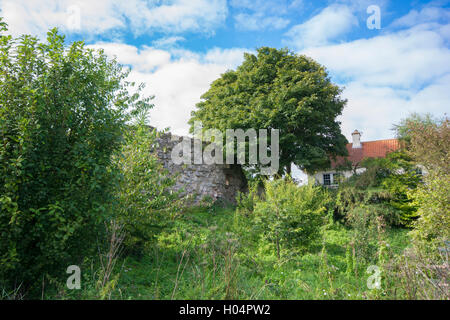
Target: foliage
[
  {"x": 208, "y": 256},
  {"x": 396, "y": 182},
  {"x": 386, "y": 182},
  {"x": 75, "y": 172},
  {"x": 3, "y": 25},
  {"x": 62, "y": 113},
  {"x": 421, "y": 272},
  {"x": 277, "y": 89},
  {"x": 418, "y": 275},
  {"x": 290, "y": 216},
  {"x": 433, "y": 201},
  {"x": 246, "y": 200},
  {"x": 404, "y": 128},
  {"x": 404, "y": 177},
  {"x": 368, "y": 228},
  {"x": 430, "y": 143},
  {"x": 145, "y": 200},
  {"x": 430, "y": 146}
]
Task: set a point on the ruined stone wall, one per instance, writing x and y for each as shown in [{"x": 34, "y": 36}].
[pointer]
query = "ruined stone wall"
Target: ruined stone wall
[{"x": 218, "y": 181}]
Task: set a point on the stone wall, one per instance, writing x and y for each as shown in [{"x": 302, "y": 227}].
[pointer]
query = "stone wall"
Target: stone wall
[{"x": 218, "y": 181}]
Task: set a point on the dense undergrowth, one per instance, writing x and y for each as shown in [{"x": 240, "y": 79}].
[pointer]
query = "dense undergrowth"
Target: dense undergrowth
[{"x": 207, "y": 254}]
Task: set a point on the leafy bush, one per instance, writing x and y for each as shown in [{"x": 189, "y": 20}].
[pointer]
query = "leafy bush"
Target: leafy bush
[
  {"x": 434, "y": 208},
  {"x": 246, "y": 201},
  {"x": 386, "y": 182},
  {"x": 289, "y": 215},
  {"x": 429, "y": 146},
  {"x": 62, "y": 113},
  {"x": 421, "y": 272},
  {"x": 145, "y": 200}
]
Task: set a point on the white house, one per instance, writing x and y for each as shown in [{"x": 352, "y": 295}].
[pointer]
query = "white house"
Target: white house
[{"x": 357, "y": 151}]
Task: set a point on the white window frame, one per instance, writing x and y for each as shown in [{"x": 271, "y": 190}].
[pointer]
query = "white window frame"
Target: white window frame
[{"x": 330, "y": 178}]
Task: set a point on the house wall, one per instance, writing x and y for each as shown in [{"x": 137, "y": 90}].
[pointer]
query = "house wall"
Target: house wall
[{"x": 318, "y": 176}]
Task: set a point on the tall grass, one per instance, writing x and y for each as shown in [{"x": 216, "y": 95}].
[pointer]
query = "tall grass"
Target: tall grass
[{"x": 210, "y": 256}]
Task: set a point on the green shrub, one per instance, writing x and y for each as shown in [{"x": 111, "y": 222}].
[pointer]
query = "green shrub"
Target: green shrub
[
  {"x": 246, "y": 201},
  {"x": 145, "y": 201},
  {"x": 433, "y": 200},
  {"x": 290, "y": 216},
  {"x": 429, "y": 145},
  {"x": 386, "y": 182},
  {"x": 62, "y": 112}
]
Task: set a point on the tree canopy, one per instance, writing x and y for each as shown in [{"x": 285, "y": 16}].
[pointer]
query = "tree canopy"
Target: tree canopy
[{"x": 277, "y": 89}]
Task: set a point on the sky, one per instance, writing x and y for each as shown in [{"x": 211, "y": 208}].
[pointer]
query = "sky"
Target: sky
[{"x": 178, "y": 47}]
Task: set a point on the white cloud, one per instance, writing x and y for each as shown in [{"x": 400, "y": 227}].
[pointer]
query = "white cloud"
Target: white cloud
[
  {"x": 296, "y": 4},
  {"x": 374, "y": 110},
  {"x": 231, "y": 58},
  {"x": 97, "y": 17},
  {"x": 434, "y": 98},
  {"x": 427, "y": 14},
  {"x": 167, "y": 42},
  {"x": 36, "y": 17},
  {"x": 331, "y": 23},
  {"x": 145, "y": 59},
  {"x": 362, "y": 5},
  {"x": 176, "y": 16},
  {"x": 257, "y": 21},
  {"x": 177, "y": 86},
  {"x": 177, "y": 78},
  {"x": 403, "y": 59},
  {"x": 388, "y": 76},
  {"x": 259, "y": 14}
]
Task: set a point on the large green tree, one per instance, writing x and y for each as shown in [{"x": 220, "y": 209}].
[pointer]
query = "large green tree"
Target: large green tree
[
  {"x": 63, "y": 110},
  {"x": 277, "y": 89}
]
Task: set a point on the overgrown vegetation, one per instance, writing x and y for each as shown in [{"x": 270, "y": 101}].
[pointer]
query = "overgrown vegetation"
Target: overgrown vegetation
[
  {"x": 80, "y": 184},
  {"x": 62, "y": 114},
  {"x": 214, "y": 256},
  {"x": 384, "y": 187},
  {"x": 289, "y": 217},
  {"x": 144, "y": 204}
]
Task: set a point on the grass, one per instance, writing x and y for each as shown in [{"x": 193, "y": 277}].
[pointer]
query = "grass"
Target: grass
[{"x": 210, "y": 254}]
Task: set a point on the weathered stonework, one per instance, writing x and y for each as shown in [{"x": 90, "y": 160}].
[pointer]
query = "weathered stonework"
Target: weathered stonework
[{"x": 218, "y": 181}]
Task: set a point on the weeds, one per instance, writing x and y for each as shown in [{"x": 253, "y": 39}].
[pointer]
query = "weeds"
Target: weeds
[{"x": 107, "y": 281}]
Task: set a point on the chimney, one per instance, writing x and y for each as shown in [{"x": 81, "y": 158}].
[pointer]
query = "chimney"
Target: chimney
[{"x": 356, "y": 137}]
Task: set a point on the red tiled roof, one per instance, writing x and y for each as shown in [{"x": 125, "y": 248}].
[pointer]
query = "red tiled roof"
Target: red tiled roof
[{"x": 369, "y": 149}]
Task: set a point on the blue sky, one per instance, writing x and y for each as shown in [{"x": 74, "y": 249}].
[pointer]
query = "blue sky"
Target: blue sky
[{"x": 178, "y": 47}]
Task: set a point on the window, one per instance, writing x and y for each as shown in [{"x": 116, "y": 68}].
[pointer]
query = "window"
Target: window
[{"x": 326, "y": 179}]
